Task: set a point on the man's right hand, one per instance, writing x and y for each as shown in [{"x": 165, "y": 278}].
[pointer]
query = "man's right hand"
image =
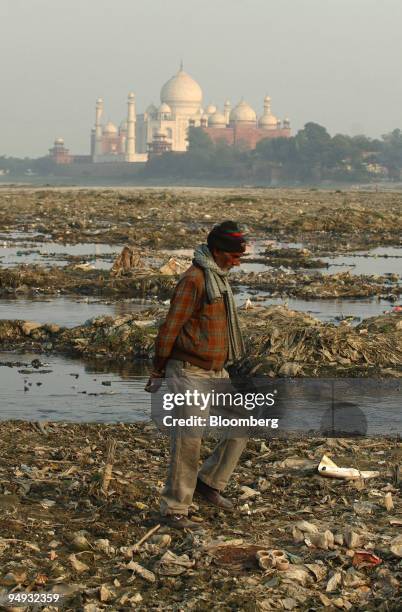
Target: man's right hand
[{"x": 154, "y": 382}]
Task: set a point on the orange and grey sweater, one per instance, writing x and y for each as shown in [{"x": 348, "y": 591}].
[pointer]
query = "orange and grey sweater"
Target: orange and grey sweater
[{"x": 194, "y": 330}]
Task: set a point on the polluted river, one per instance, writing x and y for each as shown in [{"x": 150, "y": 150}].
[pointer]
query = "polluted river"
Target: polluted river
[{"x": 86, "y": 276}]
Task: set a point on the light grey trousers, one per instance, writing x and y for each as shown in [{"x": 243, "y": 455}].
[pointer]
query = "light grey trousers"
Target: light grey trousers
[{"x": 185, "y": 447}]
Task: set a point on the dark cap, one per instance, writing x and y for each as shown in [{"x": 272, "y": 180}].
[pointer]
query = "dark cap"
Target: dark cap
[{"x": 227, "y": 236}]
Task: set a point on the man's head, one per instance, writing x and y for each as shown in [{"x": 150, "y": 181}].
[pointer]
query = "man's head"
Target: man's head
[{"x": 227, "y": 244}]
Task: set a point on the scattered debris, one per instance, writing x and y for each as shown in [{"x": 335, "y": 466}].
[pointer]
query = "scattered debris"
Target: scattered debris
[
  {"x": 127, "y": 261},
  {"x": 365, "y": 558},
  {"x": 173, "y": 267},
  {"x": 329, "y": 469}
]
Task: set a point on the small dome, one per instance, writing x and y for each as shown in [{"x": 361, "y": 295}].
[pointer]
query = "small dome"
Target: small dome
[
  {"x": 59, "y": 141},
  {"x": 151, "y": 109},
  {"x": 217, "y": 119},
  {"x": 164, "y": 108},
  {"x": 211, "y": 109},
  {"x": 243, "y": 113},
  {"x": 110, "y": 128},
  {"x": 182, "y": 92},
  {"x": 268, "y": 121}
]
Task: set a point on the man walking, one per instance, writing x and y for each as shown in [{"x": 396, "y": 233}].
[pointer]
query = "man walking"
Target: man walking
[{"x": 201, "y": 334}]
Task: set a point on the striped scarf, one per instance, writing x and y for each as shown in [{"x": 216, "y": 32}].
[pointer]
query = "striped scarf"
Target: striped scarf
[{"x": 217, "y": 288}]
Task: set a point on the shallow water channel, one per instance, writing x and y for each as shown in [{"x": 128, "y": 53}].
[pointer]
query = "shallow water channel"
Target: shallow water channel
[
  {"x": 100, "y": 256},
  {"x": 66, "y": 311},
  {"x": 64, "y": 389},
  {"x": 68, "y": 389}
]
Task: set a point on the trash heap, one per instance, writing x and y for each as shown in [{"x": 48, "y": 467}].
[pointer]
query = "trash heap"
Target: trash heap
[
  {"x": 79, "y": 518},
  {"x": 121, "y": 338},
  {"x": 314, "y": 285},
  {"x": 34, "y": 280},
  {"x": 279, "y": 341},
  {"x": 283, "y": 342}
]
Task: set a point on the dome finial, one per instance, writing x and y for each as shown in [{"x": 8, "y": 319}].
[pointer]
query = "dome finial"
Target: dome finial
[{"x": 181, "y": 65}]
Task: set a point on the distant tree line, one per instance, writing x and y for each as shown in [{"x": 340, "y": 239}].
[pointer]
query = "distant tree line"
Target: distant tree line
[{"x": 311, "y": 156}]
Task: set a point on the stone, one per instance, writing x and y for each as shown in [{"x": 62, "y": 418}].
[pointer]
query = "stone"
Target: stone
[
  {"x": 396, "y": 546},
  {"x": 323, "y": 540},
  {"x": 352, "y": 539},
  {"x": 29, "y": 326}
]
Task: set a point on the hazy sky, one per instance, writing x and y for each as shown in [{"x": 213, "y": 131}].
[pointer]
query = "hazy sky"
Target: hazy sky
[{"x": 336, "y": 62}]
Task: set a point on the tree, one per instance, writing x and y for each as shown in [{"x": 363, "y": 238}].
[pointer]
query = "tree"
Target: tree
[
  {"x": 199, "y": 140},
  {"x": 392, "y": 154}
]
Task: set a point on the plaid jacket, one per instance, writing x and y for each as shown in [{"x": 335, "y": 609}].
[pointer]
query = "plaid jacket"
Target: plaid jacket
[{"x": 194, "y": 330}]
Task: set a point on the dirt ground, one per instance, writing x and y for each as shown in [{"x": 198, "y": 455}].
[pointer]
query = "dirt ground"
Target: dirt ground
[{"x": 61, "y": 533}]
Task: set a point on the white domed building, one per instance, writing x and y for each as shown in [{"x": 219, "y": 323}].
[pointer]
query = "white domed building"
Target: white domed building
[
  {"x": 242, "y": 127},
  {"x": 165, "y": 128},
  {"x": 181, "y": 102}
]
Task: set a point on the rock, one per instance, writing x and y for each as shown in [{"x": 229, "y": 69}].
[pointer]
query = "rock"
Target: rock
[
  {"x": 352, "y": 539},
  {"x": 396, "y": 546},
  {"x": 29, "y": 326},
  {"x": 323, "y": 540}
]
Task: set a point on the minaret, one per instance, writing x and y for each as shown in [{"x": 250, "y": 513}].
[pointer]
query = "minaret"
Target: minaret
[
  {"x": 130, "y": 142},
  {"x": 267, "y": 105},
  {"x": 226, "y": 110},
  {"x": 98, "y": 129}
]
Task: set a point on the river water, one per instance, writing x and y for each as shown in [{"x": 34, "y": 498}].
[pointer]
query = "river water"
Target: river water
[
  {"x": 65, "y": 389},
  {"x": 72, "y": 390}
]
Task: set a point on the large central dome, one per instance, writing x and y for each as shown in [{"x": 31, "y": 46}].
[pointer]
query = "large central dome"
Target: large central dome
[{"x": 182, "y": 94}]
